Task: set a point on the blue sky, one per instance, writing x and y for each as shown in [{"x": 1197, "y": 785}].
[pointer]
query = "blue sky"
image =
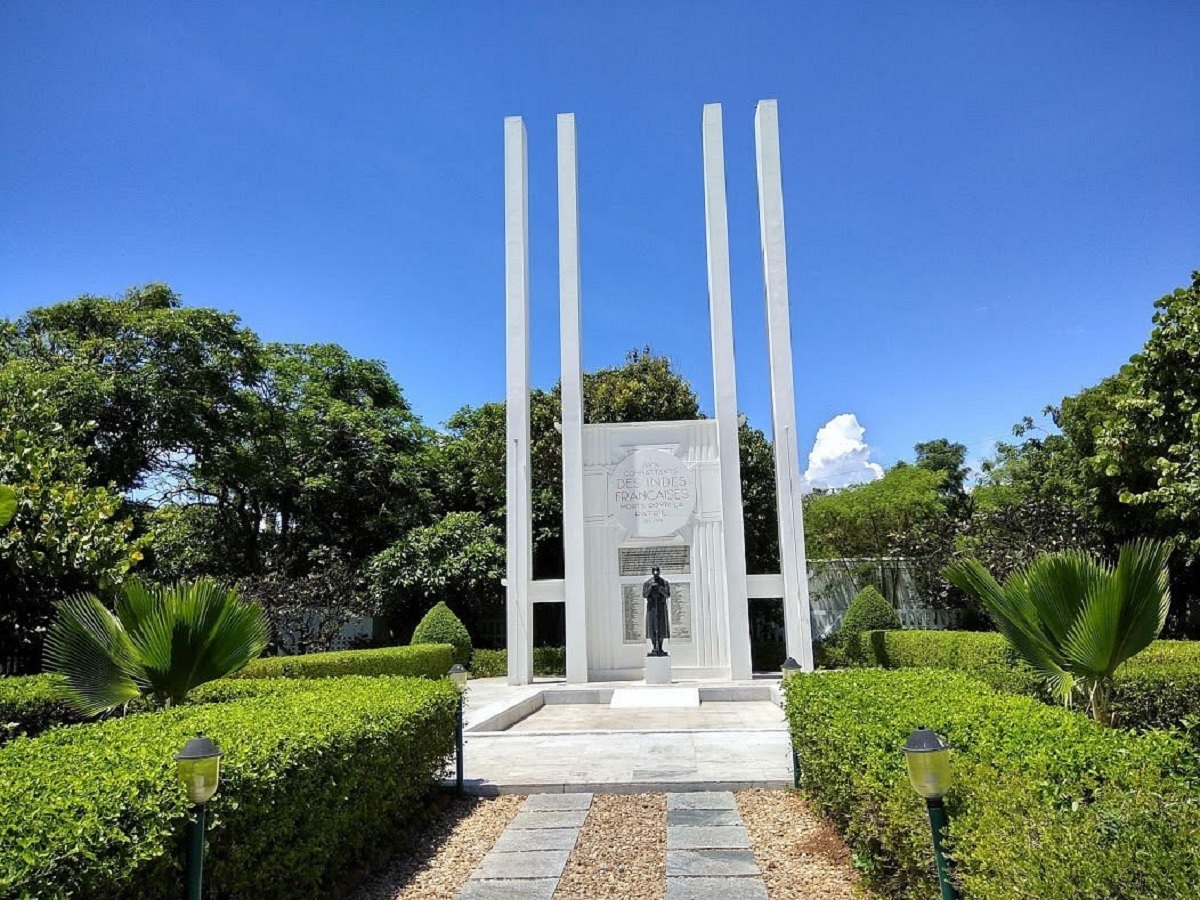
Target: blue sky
[{"x": 983, "y": 200}]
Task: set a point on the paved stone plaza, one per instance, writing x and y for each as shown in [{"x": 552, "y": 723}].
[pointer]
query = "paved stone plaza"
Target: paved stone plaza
[{"x": 519, "y": 740}]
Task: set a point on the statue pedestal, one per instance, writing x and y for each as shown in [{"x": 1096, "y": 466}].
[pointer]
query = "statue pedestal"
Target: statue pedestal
[{"x": 658, "y": 670}]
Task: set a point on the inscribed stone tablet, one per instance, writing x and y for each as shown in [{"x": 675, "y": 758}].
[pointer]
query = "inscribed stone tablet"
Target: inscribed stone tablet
[{"x": 652, "y": 493}]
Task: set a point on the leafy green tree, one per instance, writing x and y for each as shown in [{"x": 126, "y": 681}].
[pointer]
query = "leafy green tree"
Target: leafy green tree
[
  {"x": 759, "y": 501},
  {"x": 644, "y": 389},
  {"x": 307, "y": 612},
  {"x": 162, "y": 642},
  {"x": 64, "y": 534},
  {"x": 324, "y": 452},
  {"x": 949, "y": 459},
  {"x": 1075, "y": 620},
  {"x": 1148, "y": 447},
  {"x": 861, "y": 521},
  {"x": 158, "y": 380},
  {"x": 459, "y": 559}
]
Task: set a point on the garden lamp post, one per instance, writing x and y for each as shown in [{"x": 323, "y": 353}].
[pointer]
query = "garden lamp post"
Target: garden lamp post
[
  {"x": 789, "y": 668},
  {"x": 458, "y": 677},
  {"x": 199, "y": 767},
  {"x": 928, "y": 759}
]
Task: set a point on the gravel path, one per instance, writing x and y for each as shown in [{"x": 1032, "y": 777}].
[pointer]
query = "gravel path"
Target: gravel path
[
  {"x": 800, "y": 854},
  {"x": 621, "y": 851},
  {"x": 446, "y": 853}
]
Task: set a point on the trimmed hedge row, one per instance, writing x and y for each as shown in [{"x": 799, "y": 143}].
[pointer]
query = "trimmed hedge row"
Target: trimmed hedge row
[
  {"x": 419, "y": 661},
  {"x": 1158, "y": 688},
  {"x": 317, "y": 778},
  {"x": 1045, "y": 802},
  {"x": 985, "y": 654},
  {"x": 28, "y": 706},
  {"x": 547, "y": 662}
]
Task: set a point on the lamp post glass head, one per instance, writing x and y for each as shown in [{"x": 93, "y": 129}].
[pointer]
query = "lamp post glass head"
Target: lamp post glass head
[
  {"x": 199, "y": 767},
  {"x": 928, "y": 759},
  {"x": 789, "y": 668},
  {"x": 458, "y": 675}
]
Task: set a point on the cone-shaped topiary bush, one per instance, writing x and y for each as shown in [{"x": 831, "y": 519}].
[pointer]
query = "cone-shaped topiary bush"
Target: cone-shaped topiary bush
[
  {"x": 441, "y": 626},
  {"x": 868, "y": 611}
]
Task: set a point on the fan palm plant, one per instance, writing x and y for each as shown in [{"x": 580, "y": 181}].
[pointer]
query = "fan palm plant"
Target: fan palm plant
[
  {"x": 162, "y": 641},
  {"x": 1074, "y": 619}
]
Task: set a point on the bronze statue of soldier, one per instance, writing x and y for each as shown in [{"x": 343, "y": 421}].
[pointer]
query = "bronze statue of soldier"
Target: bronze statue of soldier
[{"x": 656, "y": 591}]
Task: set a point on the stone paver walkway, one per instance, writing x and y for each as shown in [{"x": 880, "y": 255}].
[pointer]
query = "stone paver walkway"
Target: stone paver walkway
[
  {"x": 708, "y": 850},
  {"x": 529, "y": 857}
]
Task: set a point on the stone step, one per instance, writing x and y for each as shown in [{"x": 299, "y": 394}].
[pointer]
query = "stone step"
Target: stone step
[{"x": 656, "y": 698}]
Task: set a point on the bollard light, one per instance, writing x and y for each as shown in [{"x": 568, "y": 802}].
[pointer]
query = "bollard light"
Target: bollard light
[
  {"x": 789, "y": 668},
  {"x": 458, "y": 675},
  {"x": 198, "y": 765},
  {"x": 928, "y": 759}
]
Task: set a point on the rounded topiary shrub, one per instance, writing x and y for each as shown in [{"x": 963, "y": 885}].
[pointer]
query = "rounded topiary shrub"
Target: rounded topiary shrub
[
  {"x": 441, "y": 626},
  {"x": 868, "y": 611}
]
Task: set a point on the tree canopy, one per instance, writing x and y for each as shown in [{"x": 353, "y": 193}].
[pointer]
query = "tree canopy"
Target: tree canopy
[{"x": 140, "y": 435}]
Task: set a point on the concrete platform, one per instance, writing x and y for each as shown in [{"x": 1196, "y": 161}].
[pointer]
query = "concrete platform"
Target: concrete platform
[{"x": 735, "y": 740}]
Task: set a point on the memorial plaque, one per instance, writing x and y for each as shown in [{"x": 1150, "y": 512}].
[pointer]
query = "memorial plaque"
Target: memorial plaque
[
  {"x": 681, "y": 614},
  {"x": 672, "y": 559},
  {"x": 633, "y": 614},
  {"x": 652, "y": 493}
]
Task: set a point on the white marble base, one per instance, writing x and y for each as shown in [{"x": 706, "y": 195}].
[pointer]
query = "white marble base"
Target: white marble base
[
  {"x": 658, "y": 670},
  {"x": 681, "y": 697}
]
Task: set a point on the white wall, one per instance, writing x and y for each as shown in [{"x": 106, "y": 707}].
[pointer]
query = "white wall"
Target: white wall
[{"x": 694, "y": 442}]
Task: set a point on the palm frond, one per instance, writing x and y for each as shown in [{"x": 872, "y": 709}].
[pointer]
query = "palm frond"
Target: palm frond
[
  {"x": 1059, "y": 585},
  {"x": 89, "y": 648},
  {"x": 1125, "y": 614},
  {"x": 198, "y": 632},
  {"x": 1012, "y": 609},
  {"x": 136, "y": 602}
]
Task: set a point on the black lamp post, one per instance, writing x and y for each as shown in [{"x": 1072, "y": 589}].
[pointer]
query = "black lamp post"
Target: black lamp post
[
  {"x": 928, "y": 759},
  {"x": 199, "y": 767},
  {"x": 458, "y": 676}
]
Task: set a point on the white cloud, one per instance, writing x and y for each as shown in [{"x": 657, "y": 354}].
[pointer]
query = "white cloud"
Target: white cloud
[{"x": 840, "y": 456}]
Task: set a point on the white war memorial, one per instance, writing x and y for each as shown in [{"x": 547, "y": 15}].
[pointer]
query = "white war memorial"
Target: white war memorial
[{"x": 652, "y": 495}]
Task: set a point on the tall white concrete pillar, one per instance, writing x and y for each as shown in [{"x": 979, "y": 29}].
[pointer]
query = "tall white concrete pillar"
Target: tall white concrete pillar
[
  {"x": 793, "y": 562},
  {"x": 517, "y": 475},
  {"x": 720, "y": 310},
  {"x": 572, "y": 401}
]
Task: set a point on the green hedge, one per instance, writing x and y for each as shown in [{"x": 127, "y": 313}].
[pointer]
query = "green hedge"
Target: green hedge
[
  {"x": 548, "y": 662},
  {"x": 423, "y": 661},
  {"x": 1158, "y": 688},
  {"x": 317, "y": 778},
  {"x": 29, "y": 706},
  {"x": 441, "y": 626},
  {"x": 1045, "y": 802},
  {"x": 985, "y": 654},
  {"x": 1183, "y": 653}
]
